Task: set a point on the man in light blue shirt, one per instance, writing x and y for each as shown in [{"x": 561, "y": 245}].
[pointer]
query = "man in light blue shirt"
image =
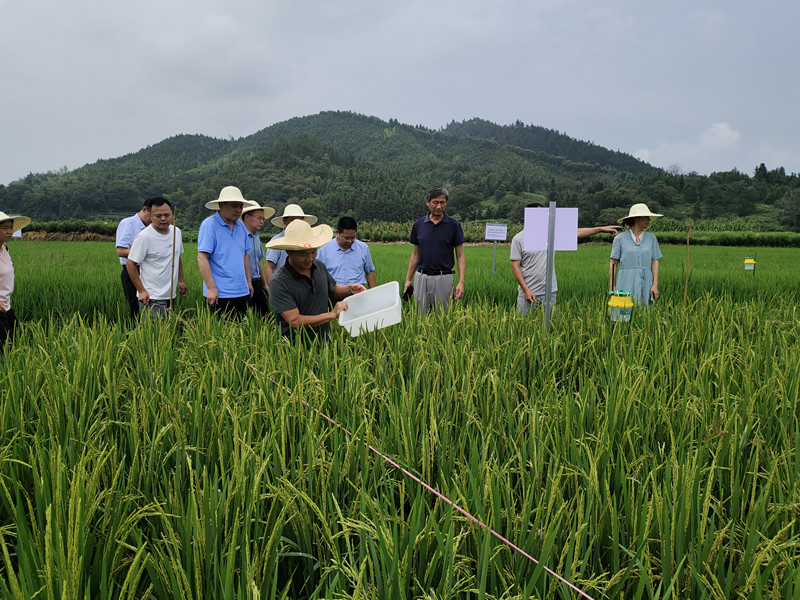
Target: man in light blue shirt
[
  {"x": 348, "y": 259},
  {"x": 128, "y": 229}
]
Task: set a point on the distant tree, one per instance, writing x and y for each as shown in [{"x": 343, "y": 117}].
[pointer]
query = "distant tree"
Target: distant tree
[
  {"x": 790, "y": 209},
  {"x": 465, "y": 200}
]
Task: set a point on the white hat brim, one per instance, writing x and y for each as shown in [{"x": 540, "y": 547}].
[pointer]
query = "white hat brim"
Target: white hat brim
[
  {"x": 278, "y": 221},
  {"x": 268, "y": 211},
  {"x": 17, "y": 222},
  {"x": 306, "y": 239}
]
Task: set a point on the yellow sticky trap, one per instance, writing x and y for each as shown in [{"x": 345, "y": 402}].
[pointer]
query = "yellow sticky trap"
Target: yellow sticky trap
[{"x": 620, "y": 306}]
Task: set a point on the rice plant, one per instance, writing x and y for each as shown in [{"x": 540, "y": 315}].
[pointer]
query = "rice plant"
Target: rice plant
[{"x": 192, "y": 458}]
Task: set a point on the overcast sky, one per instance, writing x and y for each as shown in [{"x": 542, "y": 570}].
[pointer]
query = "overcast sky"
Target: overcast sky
[{"x": 707, "y": 86}]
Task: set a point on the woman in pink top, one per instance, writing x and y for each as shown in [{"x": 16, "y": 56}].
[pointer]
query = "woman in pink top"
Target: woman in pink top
[{"x": 8, "y": 226}]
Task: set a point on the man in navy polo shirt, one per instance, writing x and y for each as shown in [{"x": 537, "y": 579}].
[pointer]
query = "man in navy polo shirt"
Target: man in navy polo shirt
[
  {"x": 222, "y": 247},
  {"x": 435, "y": 237}
]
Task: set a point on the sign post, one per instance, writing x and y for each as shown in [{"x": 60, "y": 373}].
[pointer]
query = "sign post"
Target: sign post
[
  {"x": 550, "y": 229},
  {"x": 495, "y": 232},
  {"x": 551, "y": 263}
]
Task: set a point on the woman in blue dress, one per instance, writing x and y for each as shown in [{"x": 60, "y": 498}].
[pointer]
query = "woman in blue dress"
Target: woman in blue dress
[{"x": 634, "y": 257}]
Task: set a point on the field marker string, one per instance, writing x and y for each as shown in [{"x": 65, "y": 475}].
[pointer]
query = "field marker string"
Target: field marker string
[{"x": 412, "y": 476}]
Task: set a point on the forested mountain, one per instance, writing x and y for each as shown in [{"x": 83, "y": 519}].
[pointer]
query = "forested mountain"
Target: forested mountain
[
  {"x": 549, "y": 142},
  {"x": 336, "y": 163}
]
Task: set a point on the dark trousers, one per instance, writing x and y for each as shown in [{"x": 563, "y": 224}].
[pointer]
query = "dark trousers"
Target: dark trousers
[
  {"x": 259, "y": 301},
  {"x": 7, "y": 323},
  {"x": 231, "y": 307},
  {"x": 130, "y": 293}
]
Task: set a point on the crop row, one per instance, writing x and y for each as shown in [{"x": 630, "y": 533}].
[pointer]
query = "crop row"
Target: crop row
[{"x": 658, "y": 458}]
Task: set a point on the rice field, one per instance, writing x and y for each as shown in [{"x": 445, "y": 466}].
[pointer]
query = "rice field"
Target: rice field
[{"x": 193, "y": 458}]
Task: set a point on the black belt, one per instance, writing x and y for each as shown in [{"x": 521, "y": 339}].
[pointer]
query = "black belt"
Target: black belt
[{"x": 435, "y": 271}]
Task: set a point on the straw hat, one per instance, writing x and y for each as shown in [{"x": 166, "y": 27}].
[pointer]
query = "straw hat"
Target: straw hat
[
  {"x": 268, "y": 212},
  {"x": 293, "y": 210},
  {"x": 229, "y": 194},
  {"x": 639, "y": 210},
  {"x": 19, "y": 222},
  {"x": 301, "y": 236}
]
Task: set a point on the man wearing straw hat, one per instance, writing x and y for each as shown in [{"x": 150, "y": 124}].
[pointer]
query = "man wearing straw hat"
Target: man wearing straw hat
[
  {"x": 8, "y": 227},
  {"x": 129, "y": 228},
  {"x": 275, "y": 259},
  {"x": 435, "y": 237},
  {"x": 253, "y": 219},
  {"x": 154, "y": 261},
  {"x": 222, "y": 247},
  {"x": 301, "y": 292}
]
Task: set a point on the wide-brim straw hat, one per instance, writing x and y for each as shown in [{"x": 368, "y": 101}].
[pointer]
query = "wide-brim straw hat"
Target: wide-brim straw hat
[
  {"x": 268, "y": 212},
  {"x": 229, "y": 194},
  {"x": 293, "y": 210},
  {"x": 299, "y": 235},
  {"x": 639, "y": 210},
  {"x": 18, "y": 222}
]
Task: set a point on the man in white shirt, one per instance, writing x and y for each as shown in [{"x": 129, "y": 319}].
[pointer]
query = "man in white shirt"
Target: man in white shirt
[{"x": 154, "y": 261}]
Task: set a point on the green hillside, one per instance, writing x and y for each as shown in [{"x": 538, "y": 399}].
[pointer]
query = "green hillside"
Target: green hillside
[{"x": 335, "y": 163}]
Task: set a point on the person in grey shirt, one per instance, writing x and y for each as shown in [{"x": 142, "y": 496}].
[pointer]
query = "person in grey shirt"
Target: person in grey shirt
[{"x": 530, "y": 267}]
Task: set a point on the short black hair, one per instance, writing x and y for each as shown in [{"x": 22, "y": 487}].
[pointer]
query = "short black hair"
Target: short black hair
[
  {"x": 437, "y": 191},
  {"x": 346, "y": 223},
  {"x": 157, "y": 201},
  {"x": 534, "y": 205}
]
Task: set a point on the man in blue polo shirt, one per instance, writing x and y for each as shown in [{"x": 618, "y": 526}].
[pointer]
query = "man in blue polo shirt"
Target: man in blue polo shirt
[
  {"x": 222, "y": 247},
  {"x": 435, "y": 237},
  {"x": 348, "y": 259}
]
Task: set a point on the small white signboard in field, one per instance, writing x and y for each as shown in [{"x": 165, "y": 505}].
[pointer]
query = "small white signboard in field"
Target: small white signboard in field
[{"x": 496, "y": 232}]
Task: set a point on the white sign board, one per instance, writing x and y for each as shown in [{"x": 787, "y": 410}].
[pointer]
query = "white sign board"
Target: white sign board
[
  {"x": 496, "y": 232},
  {"x": 17, "y": 234},
  {"x": 537, "y": 223}
]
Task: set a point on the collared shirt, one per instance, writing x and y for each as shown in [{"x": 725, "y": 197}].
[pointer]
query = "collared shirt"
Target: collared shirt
[
  {"x": 289, "y": 289},
  {"x": 158, "y": 264},
  {"x": 347, "y": 266},
  {"x": 276, "y": 257},
  {"x": 533, "y": 265},
  {"x": 225, "y": 249},
  {"x": 6, "y": 277},
  {"x": 255, "y": 255},
  {"x": 436, "y": 241},
  {"x": 128, "y": 229}
]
